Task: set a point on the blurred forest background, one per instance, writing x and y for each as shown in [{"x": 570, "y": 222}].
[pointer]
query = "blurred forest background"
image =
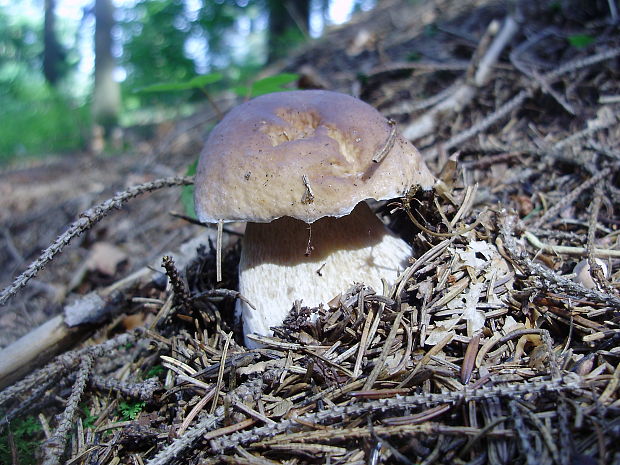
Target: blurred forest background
[{"x": 74, "y": 71}]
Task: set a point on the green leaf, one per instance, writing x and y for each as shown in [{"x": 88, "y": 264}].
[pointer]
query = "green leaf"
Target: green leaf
[
  {"x": 205, "y": 79},
  {"x": 241, "y": 91},
  {"x": 29, "y": 425},
  {"x": 154, "y": 371},
  {"x": 272, "y": 84},
  {"x": 89, "y": 418},
  {"x": 27, "y": 438},
  {"x": 580, "y": 40},
  {"x": 130, "y": 410},
  {"x": 267, "y": 85},
  {"x": 414, "y": 56},
  {"x": 187, "y": 193},
  {"x": 431, "y": 30},
  {"x": 197, "y": 82}
]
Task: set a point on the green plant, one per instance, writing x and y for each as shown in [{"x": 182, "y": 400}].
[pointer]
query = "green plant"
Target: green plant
[
  {"x": 130, "y": 410},
  {"x": 414, "y": 56},
  {"x": 41, "y": 124},
  {"x": 187, "y": 194},
  {"x": 198, "y": 82},
  {"x": 431, "y": 30},
  {"x": 266, "y": 85},
  {"x": 157, "y": 369},
  {"x": 580, "y": 40},
  {"x": 26, "y": 435},
  {"x": 89, "y": 418}
]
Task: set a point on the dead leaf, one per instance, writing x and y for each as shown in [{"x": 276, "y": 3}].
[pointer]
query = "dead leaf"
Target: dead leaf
[{"x": 105, "y": 258}]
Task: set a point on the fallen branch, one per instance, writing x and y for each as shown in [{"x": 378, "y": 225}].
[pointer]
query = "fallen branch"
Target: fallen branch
[
  {"x": 61, "y": 365},
  {"x": 518, "y": 99},
  {"x": 550, "y": 280},
  {"x": 337, "y": 412},
  {"x": 571, "y": 196},
  {"x": 466, "y": 91},
  {"x": 568, "y": 250},
  {"x": 86, "y": 221},
  {"x": 55, "y": 446},
  {"x": 78, "y": 320}
]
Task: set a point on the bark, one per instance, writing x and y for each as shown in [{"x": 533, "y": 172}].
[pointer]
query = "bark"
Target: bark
[{"x": 106, "y": 94}]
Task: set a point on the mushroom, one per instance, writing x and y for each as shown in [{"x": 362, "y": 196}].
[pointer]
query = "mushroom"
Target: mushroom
[
  {"x": 298, "y": 166},
  {"x": 583, "y": 275}
]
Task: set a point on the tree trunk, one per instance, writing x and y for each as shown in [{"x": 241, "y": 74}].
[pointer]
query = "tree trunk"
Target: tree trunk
[
  {"x": 106, "y": 94},
  {"x": 289, "y": 22},
  {"x": 53, "y": 54}
]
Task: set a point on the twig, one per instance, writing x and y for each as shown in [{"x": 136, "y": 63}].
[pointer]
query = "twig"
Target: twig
[
  {"x": 220, "y": 374},
  {"x": 143, "y": 391},
  {"x": 337, "y": 413},
  {"x": 568, "y": 250},
  {"x": 197, "y": 408},
  {"x": 519, "y": 98},
  {"x": 427, "y": 357},
  {"x": 86, "y": 221},
  {"x": 544, "y": 432},
  {"x": 55, "y": 446},
  {"x": 578, "y": 63},
  {"x": 218, "y": 252},
  {"x": 357, "y": 368},
  {"x": 488, "y": 60},
  {"x": 387, "y": 345},
  {"x": 180, "y": 445},
  {"x": 565, "y": 437},
  {"x": 570, "y": 197},
  {"x": 595, "y": 269},
  {"x": 67, "y": 362},
  {"x": 522, "y": 433},
  {"x": 405, "y": 106},
  {"x": 605, "y": 121},
  {"x": 457, "y": 65},
  {"x": 532, "y": 73},
  {"x": 178, "y": 286},
  {"x": 465, "y": 93},
  {"x": 378, "y": 158},
  {"x": 487, "y": 121},
  {"x": 548, "y": 277},
  {"x": 27, "y": 403}
]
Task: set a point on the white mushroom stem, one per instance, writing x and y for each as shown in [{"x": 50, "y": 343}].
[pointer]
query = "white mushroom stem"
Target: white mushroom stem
[{"x": 275, "y": 270}]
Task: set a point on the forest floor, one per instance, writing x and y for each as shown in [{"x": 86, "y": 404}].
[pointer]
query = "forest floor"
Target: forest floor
[{"x": 490, "y": 349}]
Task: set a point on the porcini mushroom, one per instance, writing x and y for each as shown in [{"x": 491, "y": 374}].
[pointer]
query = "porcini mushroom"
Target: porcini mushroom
[{"x": 297, "y": 166}]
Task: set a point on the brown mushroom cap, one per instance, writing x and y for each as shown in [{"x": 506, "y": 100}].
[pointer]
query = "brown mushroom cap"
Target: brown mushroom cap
[{"x": 305, "y": 154}]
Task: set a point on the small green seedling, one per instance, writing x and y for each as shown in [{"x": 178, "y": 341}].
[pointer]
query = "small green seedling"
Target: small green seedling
[
  {"x": 130, "y": 410},
  {"x": 25, "y": 434},
  {"x": 580, "y": 40}
]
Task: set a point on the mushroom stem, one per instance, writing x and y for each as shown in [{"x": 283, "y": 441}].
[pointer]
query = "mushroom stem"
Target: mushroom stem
[{"x": 275, "y": 268}]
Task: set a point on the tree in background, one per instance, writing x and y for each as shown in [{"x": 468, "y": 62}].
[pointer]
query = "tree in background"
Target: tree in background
[
  {"x": 289, "y": 23},
  {"x": 106, "y": 101},
  {"x": 154, "y": 33},
  {"x": 42, "y": 82},
  {"x": 36, "y": 117},
  {"x": 53, "y": 54}
]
